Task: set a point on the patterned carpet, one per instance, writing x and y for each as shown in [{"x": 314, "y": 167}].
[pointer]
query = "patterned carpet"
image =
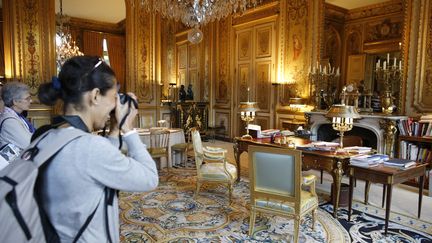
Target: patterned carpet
[{"x": 170, "y": 214}]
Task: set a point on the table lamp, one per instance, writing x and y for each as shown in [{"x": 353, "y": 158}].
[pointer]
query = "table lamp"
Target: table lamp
[
  {"x": 342, "y": 119},
  {"x": 247, "y": 114}
]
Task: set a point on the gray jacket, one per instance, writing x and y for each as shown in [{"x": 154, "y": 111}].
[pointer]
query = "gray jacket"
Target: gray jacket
[
  {"x": 74, "y": 183},
  {"x": 13, "y": 130}
]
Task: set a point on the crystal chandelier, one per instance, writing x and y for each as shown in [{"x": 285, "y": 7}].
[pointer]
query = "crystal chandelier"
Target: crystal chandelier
[
  {"x": 65, "y": 46},
  {"x": 196, "y": 13}
]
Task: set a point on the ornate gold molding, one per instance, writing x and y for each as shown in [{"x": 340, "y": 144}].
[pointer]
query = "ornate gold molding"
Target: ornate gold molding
[
  {"x": 94, "y": 25},
  {"x": 29, "y": 30},
  {"x": 141, "y": 50},
  {"x": 379, "y": 9}
]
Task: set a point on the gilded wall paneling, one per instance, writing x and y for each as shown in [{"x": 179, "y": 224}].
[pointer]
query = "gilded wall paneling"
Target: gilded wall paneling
[
  {"x": 423, "y": 81},
  {"x": 223, "y": 119},
  {"x": 264, "y": 122},
  {"x": 223, "y": 81},
  {"x": 29, "y": 30},
  {"x": 182, "y": 56},
  {"x": 140, "y": 53},
  {"x": 298, "y": 48},
  {"x": 244, "y": 49},
  {"x": 264, "y": 42},
  {"x": 263, "y": 85},
  {"x": 244, "y": 81}
]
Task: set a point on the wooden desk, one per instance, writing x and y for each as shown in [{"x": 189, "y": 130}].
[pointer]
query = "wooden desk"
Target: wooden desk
[
  {"x": 388, "y": 176},
  {"x": 325, "y": 160}
]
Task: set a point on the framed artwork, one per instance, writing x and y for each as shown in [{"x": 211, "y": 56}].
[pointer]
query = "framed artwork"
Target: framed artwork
[{"x": 263, "y": 39}]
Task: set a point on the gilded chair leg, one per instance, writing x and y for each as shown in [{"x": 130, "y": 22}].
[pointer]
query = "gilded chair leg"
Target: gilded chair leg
[
  {"x": 252, "y": 221},
  {"x": 313, "y": 218},
  {"x": 296, "y": 229},
  {"x": 198, "y": 185},
  {"x": 230, "y": 189}
]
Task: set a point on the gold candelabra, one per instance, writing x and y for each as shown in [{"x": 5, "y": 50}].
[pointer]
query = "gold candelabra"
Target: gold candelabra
[
  {"x": 323, "y": 81},
  {"x": 388, "y": 74},
  {"x": 247, "y": 113}
]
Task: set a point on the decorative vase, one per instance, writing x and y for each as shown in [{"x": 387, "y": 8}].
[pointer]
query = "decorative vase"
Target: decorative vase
[{"x": 387, "y": 103}]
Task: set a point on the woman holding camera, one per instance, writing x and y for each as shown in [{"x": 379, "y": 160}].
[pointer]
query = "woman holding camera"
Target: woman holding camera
[{"x": 73, "y": 184}]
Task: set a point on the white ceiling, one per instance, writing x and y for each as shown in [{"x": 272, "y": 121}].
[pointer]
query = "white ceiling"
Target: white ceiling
[
  {"x": 114, "y": 11},
  {"x": 111, "y": 11}
]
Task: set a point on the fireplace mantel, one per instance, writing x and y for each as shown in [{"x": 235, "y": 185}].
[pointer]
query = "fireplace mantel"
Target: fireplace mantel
[{"x": 383, "y": 126}]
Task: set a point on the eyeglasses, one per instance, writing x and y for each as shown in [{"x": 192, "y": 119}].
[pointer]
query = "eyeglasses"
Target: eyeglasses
[{"x": 28, "y": 98}]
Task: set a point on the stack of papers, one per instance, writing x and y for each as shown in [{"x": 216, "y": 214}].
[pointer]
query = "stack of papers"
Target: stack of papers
[
  {"x": 358, "y": 150},
  {"x": 368, "y": 160},
  {"x": 320, "y": 146},
  {"x": 403, "y": 163}
]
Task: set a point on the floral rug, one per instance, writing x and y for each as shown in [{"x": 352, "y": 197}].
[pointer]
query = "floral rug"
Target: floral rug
[
  {"x": 367, "y": 225},
  {"x": 171, "y": 214}
]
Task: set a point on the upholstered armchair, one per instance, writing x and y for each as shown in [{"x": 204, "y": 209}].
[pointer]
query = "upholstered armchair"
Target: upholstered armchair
[
  {"x": 211, "y": 165},
  {"x": 276, "y": 185}
]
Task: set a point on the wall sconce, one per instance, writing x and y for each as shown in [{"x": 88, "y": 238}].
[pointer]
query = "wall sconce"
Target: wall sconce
[
  {"x": 247, "y": 113},
  {"x": 342, "y": 119}
]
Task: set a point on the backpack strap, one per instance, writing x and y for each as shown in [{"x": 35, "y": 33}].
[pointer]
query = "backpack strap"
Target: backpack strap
[
  {"x": 11, "y": 199},
  {"x": 55, "y": 145}
]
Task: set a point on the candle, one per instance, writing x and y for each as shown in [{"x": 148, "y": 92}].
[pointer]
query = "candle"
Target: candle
[
  {"x": 377, "y": 66},
  {"x": 320, "y": 69},
  {"x": 379, "y": 63},
  {"x": 325, "y": 70},
  {"x": 388, "y": 58},
  {"x": 394, "y": 63},
  {"x": 337, "y": 71},
  {"x": 313, "y": 70},
  {"x": 384, "y": 66},
  {"x": 400, "y": 64},
  {"x": 242, "y": 113}
]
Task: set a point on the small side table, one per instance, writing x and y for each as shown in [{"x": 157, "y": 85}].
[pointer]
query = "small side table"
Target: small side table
[{"x": 388, "y": 176}]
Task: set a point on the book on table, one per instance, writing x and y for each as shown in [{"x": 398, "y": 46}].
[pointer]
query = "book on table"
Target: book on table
[
  {"x": 403, "y": 163},
  {"x": 363, "y": 160}
]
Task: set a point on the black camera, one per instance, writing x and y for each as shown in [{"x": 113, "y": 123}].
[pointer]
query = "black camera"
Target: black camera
[{"x": 125, "y": 98}]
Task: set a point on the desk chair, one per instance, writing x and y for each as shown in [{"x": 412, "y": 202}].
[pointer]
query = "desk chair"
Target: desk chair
[
  {"x": 276, "y": 186},
  {"x": 211, "y": 165},
  {"x": 183, "y": 149},
  {"x": 159, "y": 141}
]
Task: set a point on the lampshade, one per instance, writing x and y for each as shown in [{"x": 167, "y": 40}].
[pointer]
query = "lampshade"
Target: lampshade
[
  {"x": 248, "y": 106},
  {"x": 343, "y": 111}
]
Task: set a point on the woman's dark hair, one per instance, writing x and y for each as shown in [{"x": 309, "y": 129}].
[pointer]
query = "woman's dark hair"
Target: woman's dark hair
[{"x": 78, "y": 75}]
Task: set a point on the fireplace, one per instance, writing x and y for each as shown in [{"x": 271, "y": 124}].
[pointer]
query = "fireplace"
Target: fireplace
[
  {"x": 325, "y": 132},
  {"x": 376, "y": 130}
]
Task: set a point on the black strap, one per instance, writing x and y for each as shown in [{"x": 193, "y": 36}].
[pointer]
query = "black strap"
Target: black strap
[
  {"x": 109, "y": 201},
  {"x": 123, "y": 120},
  {"x": 11, "y": 199}
]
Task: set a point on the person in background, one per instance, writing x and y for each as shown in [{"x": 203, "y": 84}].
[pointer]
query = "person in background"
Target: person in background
[
  {"x": 73, "y": 184},
  {"x": 14, "y": 127}
]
